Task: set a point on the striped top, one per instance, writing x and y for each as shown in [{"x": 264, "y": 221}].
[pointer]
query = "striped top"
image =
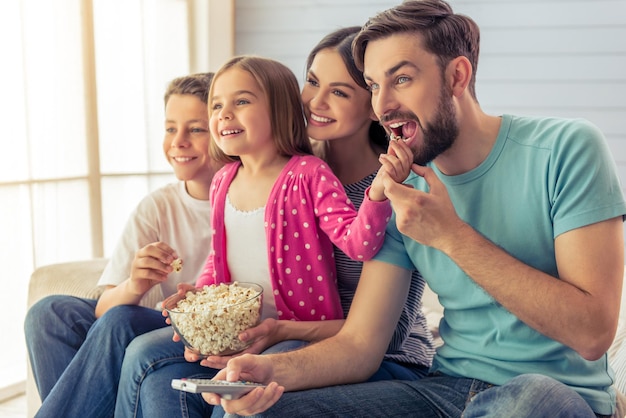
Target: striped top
[{"x": 412, "y": 342}]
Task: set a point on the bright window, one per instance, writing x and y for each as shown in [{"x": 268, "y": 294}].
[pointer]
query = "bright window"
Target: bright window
[{"x": 82, "y": 112}]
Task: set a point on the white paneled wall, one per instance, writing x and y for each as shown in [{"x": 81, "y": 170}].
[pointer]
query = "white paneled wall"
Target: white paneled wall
[
  {"x": 287, "y": 30},
  {"x": 538, "y": 57}
]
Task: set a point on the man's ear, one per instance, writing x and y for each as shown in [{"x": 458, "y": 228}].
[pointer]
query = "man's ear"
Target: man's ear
[{"x": 459, "y": 75}]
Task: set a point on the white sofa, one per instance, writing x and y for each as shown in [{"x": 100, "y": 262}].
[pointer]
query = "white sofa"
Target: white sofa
[{"x": 79, "y": 278}]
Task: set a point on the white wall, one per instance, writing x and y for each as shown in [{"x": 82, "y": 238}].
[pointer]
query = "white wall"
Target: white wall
[
  {"x": 286, "y": 30},
  {"x": 538, "y": 57}
]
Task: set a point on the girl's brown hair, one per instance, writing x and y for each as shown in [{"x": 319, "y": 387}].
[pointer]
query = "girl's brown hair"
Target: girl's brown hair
[
  {"x": 445, "y": 34},
  {"x": 280, "y": 86}
]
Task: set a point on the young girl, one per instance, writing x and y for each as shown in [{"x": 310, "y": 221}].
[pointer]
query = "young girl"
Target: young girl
[{"x": 277, "y": 209}]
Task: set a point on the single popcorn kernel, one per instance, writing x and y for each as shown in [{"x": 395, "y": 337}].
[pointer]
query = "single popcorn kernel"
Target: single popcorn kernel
[{"x": 177, "y": 264}]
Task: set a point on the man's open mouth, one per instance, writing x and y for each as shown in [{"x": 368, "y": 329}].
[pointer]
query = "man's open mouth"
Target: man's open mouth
[{"x": 402, "y": 130}]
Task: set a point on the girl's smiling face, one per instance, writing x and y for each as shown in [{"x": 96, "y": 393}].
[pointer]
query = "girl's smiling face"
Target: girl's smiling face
[
  {"x": 239, "y": 116},
  {"x": 335, "y": 105}
]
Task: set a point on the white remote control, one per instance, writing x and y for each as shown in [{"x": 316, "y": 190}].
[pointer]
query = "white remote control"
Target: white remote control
[{"x": 227, "y": 390}]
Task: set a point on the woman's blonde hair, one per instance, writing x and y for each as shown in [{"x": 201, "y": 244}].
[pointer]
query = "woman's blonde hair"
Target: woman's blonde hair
[{"x": 282, "y": 91}]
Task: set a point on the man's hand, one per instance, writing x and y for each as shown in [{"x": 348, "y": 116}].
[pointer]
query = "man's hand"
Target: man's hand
[
  {"x": 428, "y": 218},
  {"x": 252, "y": 368}
]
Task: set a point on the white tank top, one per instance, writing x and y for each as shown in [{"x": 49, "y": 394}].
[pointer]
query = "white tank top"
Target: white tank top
[{"x": 246, "y": 251}]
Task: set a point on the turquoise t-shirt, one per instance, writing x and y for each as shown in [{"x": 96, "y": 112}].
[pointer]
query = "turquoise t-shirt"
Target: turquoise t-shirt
[{"x": 543, "y": 177}]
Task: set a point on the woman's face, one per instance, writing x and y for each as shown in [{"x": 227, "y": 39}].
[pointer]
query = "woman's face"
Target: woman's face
[
  {"x": 336, "y": 107},
  {"x": 187, "y": 137}
]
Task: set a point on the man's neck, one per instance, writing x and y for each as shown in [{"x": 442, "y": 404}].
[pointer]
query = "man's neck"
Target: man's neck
[{"x": 477, "y": 136}]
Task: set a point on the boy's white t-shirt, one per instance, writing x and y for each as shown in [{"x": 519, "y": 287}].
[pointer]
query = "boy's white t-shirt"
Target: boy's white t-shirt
[{"x": 169, "y": 215}]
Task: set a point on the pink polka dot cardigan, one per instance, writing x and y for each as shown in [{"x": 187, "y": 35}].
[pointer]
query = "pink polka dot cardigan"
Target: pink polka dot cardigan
[{"x": 307, "y": 211}]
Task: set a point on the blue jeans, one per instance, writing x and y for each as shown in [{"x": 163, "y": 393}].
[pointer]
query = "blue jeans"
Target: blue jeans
[
  {"x": 152, "y": 361},
  {"x": 438, "y": 396},
  {"x": 77, "y": 359},
  {"x": 388, "y": 370}
]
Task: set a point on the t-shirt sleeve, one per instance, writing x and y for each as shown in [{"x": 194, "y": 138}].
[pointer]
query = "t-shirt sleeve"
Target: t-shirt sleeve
[
  {"x": 140, "y": 230},
  {"x": 393, "y": 250},
  {"x": 584, "y": 185}
]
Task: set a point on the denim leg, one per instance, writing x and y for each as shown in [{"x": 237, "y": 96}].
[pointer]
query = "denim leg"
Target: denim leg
[
  {"x": 145, "y": 354},
  {"x": 390, "y": 370},
  {"x": 529, "y": 395},
  {"x": 430, "y": 397},
  {"x": 55, "y": 328},
  {"x": 88, "y": 386},
  {"x": 158, "y": 399}
]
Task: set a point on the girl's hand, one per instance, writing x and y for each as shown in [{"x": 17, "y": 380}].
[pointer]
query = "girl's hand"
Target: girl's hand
[
  {"x": 396, "y": 165},
  {"x": 190, "y": 356},
  {"x": 262, "y": 336},
  {"x": 181, "y": 291},
  {"x": 398, "y": 160}
]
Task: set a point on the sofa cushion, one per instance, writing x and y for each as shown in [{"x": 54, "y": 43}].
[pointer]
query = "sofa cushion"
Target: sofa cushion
[{"x": 77, "y": 278}]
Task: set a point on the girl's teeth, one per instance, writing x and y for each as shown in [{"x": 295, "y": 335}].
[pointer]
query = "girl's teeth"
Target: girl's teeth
[{"x": 230, "y": 131}]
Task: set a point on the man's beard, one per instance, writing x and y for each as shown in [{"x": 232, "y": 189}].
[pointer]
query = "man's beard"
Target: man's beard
[{"x": 440, "y": 134}]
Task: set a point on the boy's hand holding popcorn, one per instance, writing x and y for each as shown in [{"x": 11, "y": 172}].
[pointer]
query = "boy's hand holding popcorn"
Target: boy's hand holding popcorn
[{"x": 151, "y": 265}]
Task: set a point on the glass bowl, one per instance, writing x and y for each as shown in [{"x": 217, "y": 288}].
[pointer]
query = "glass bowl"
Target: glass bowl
[{"x": 209, "y": 320}]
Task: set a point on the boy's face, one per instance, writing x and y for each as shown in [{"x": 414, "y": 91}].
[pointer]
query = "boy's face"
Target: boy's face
[{"x": 187, "y": 138}]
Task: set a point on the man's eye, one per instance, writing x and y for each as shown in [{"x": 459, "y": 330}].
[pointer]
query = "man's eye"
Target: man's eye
[
  {"x": 373, "y": 86},
  {"x": 403, "y": 79}
]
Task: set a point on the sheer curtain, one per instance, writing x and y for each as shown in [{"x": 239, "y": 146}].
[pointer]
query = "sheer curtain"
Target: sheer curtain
[{"x": 82, "y": 112}]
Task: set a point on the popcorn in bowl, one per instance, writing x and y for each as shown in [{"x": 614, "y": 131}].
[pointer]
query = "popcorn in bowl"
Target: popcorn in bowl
[{"x": 209, "y": 320}]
